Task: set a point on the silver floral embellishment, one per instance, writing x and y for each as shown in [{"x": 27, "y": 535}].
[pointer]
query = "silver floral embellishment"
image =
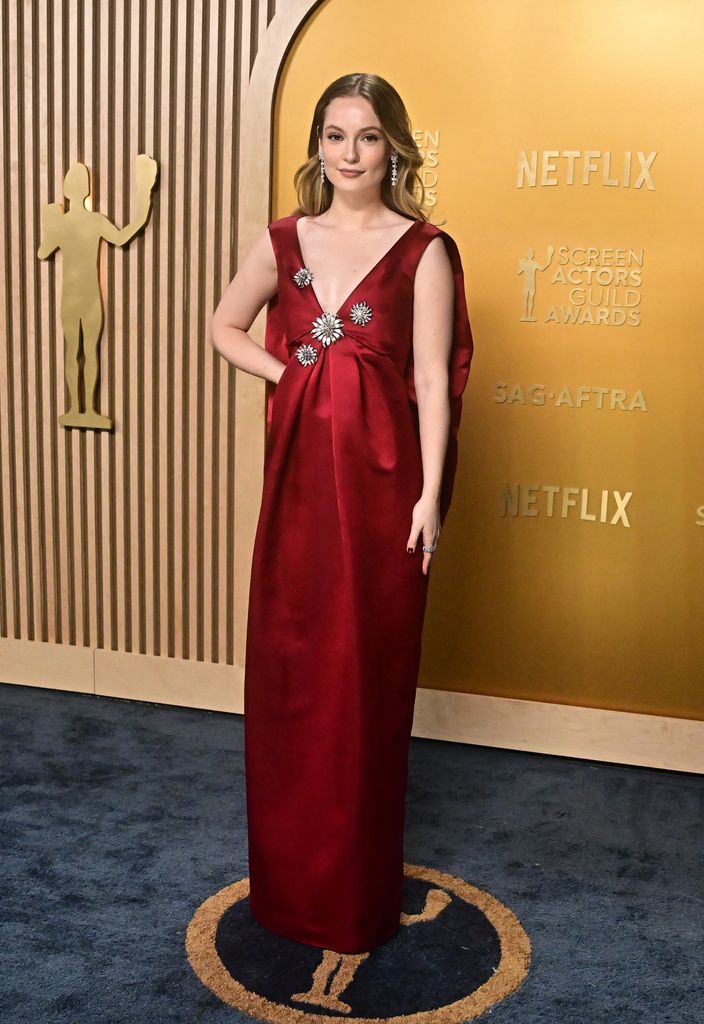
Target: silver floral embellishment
[
  {"x": 303, "y": 277},
  {"x": 306, "y": 354},
  {"x": 327, "y": 328},
  {"x": 361, "y": 313}
]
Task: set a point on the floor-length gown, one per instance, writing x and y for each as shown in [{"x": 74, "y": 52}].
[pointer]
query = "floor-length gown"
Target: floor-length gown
[{"x": 336, "y": 603}]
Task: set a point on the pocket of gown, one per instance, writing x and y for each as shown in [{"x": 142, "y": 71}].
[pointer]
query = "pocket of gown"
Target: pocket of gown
[
  {"x": 287, "y": 366},
  {"x": 281, "y": 383}
]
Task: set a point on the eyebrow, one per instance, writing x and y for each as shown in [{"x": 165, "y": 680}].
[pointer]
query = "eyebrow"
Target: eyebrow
[{"x": 375, "y": 127}]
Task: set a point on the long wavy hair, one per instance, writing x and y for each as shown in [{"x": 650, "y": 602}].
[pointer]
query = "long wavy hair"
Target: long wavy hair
[{"x": 407, "y": 196}]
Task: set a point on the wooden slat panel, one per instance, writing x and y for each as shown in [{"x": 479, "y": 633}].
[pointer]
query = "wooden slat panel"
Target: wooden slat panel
[
  {"x": 92, "y": 442},
  {"x": 18, "y": 511},
  {"x": 228, "y": 155},
  {"x": 29, "y": 349},
  {"x": 149, "y": 143},
  {"x": 105, "y": 563},
  {"x": 7, "y": 617},
  {"x": 118, "y": 337},
  {"x": 163, "y": 341},
  {"x": 47, "y": 348},
  {"x": 56, "y": 155},
  {"x": 193, "y": 370},
  {"x": 121, "y": 539},
  {"x": 135, "y": 342}
]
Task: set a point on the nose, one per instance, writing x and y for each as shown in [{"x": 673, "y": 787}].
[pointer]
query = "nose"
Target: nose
[{"x": 351, "y": 156}]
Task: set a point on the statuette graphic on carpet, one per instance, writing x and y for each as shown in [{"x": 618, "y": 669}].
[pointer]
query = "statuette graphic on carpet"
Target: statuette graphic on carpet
[{"x": 458, "y": 952}]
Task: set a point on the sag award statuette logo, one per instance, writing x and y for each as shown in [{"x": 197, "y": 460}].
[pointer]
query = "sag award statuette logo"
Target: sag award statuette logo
[
  {"x": 77, "y": 233},
  {"x": 458, "y": 952}
]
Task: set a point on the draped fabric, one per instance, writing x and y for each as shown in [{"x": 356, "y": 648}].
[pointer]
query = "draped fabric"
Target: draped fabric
[{"x": 336, "y": 604}]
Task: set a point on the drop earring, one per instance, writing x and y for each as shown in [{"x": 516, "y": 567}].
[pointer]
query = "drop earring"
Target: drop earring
[
  {"x": 322, "y": 166},
  {"x": 394, "y": 168}
]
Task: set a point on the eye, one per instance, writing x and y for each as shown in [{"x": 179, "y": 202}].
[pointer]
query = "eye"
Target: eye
[{"x": 336, "y": 135}]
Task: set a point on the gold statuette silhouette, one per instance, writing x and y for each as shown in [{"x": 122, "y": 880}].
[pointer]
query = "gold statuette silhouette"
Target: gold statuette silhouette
[
  {"x": 336, "y": 971},
  {"x": 77, "y": 233},
  {"x": 530, "y": 267}
]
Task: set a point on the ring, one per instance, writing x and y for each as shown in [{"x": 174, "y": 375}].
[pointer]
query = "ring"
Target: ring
[{"x": 429, "y": 547}]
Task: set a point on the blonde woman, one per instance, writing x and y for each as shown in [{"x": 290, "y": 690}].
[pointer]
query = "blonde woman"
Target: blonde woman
[{"x": 368, "y": 345}]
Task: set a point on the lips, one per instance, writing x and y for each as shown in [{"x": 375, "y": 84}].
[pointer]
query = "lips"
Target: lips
[{"x": 349, "y": 172}]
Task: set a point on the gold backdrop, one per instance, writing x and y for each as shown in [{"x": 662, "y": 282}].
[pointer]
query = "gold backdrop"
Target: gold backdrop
[
  {"x": 564, "y": 153},
  {"x": 547, "y": 129}
]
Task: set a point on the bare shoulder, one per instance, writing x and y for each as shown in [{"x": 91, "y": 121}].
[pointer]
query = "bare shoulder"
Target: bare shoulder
[
  {"x": 433, "y": 301},
  {"x": 259, "y": 256},
  {"x": 399, "y": 219},
  {"x": 262, "y": 242},
  {"x": 434, "y": 265}
]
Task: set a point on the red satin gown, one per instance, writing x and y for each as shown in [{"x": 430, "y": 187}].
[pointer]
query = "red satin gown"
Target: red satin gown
[{"x": 336, "y": 603}]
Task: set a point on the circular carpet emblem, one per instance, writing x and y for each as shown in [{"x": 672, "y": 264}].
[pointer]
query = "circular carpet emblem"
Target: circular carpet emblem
[{"x": 459, "y": 951}]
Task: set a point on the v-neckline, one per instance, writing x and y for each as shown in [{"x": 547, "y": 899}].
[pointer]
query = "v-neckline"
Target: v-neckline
[{"x": 363, "y": 279}]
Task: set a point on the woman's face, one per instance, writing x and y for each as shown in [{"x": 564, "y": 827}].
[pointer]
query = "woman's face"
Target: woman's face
[{"x": 352, "y": 138}]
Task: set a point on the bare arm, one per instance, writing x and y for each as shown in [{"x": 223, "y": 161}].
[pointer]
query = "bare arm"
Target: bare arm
[
  {"x": 433, "y": 313},
  {"x": 247, "y": 293}
]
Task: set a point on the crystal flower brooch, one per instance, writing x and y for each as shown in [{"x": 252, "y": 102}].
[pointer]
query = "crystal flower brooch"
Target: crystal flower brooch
[
  {"x": 361, "y": 313},
  {"x": 303, "y": 277},
  {"x": 306, "y": 354},
  {"x": 327, "y": 328}
]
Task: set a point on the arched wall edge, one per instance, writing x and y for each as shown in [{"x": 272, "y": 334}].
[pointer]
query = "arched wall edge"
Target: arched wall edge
[{"x": 258, "y": 93}]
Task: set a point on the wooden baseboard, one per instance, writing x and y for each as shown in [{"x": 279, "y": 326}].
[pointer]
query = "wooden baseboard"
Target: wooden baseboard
[{"x": 595, "y": 734}]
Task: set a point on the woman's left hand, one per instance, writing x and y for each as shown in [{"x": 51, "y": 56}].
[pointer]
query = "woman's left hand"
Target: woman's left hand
[{"x": 425, "y": 520}]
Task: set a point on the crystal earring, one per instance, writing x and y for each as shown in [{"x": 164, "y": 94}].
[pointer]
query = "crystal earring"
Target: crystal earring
[
  {"x": 322, "y": 165},
  {"x": 394, "y": 168}
]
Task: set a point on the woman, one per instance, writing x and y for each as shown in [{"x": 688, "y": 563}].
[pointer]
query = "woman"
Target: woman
[{"x": 369, "y": 346}]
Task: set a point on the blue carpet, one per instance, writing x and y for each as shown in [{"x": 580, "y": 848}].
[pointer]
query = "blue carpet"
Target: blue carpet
[{"x": 120, "y": 818}]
